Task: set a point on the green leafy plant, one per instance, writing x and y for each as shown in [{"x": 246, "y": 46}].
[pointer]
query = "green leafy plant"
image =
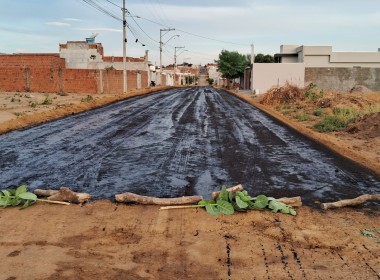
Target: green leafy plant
[
  {"x": 318, "y": 112},
  {"x": 229, "y": 202},
  {"x": 301, "y": 117},
  {"x": 15, "y": 197}
]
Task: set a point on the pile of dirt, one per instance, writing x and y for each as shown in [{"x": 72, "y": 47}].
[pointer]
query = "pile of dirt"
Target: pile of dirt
[
  {"x": 360, "y": 89},
  {"x": 366, "y": 126},
  {"x": 285, "y": 94}
]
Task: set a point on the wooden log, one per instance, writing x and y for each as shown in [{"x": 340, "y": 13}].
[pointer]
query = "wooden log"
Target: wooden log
[
  {"x": 291, "y": 201},
  {"x": 65, "y": 194},
  {"x": 131, "y": 197},
  {"x": 40, "y": 192},
  {"x": 350, "y": 202},
  {"x": 237, "y": 188}
]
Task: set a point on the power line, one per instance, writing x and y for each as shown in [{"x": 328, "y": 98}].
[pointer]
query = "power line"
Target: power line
[
  {"x": 101, "y": 9},
  {"x": 189, "y": 33}
]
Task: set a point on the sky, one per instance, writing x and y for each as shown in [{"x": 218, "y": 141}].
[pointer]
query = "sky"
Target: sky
[{"x": 205, "y": 27}]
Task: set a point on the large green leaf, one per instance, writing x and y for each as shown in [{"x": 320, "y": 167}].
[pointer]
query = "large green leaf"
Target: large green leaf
[
  {"x": 21, "y": 189},
  {"x": 243, "y": 196},
  {"x": 261, "y": 202},
  {"x": 28, "y": 196},
  {"x": 225, "y": 207},
  {"x": 282, "y": 207},
  {"x": 204, "y": 202},
  {"x": 241, "y": 203},
  {"x": 237, "y": 208},
  {"x": 212, "y": 209},
  {"x": 6, "y": 193},
  {"x": 223, "y": 195}
]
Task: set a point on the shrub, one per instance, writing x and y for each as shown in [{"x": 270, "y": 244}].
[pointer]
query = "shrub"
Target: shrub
[
  {"x": 301, "y": 117},
  {"x": 318, "y": 112},
  {"x": 88, "y": 98}
]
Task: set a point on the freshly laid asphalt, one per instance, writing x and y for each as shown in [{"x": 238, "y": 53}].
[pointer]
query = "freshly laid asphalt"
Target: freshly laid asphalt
[{"x": 178, "y": 142}]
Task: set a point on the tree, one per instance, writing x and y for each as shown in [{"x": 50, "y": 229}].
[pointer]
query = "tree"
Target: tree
[
  {"x": 210, "y": 81},
  {"x": 261, "y": 58},
  {"x": 232, "y": 64}
]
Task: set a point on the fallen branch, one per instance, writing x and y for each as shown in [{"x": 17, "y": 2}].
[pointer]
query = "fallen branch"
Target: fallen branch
[
  {"x": 64, "y": 194},
  {"x": 131, "y": 197},
  {"x": 237, "y": 188},
  {"x": 350, "y": 202},
  {"x": 291, "y": 201}
]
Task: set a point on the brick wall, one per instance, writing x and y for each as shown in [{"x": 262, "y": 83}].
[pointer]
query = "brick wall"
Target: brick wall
[{"x": 47, "y": 73}]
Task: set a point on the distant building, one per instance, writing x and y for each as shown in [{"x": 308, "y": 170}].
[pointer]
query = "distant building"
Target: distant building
[{"x": 302, "y": 65}]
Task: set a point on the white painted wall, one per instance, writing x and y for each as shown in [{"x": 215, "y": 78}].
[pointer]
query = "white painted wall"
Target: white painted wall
[{"x": 267, "y": 75}]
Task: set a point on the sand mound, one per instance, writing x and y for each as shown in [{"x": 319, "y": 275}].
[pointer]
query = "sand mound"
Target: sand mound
[{"x": 366, "y": 126}]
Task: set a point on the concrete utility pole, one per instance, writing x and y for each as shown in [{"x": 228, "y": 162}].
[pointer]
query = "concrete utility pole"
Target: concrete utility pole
[
  {"x": 167, "y": 30},
  {"x": 175, "y": 62},
  {"x": 124, "y": 50}
]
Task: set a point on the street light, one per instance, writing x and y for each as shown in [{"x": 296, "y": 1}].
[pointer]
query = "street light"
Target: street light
[{"x": 161, "y": 44}]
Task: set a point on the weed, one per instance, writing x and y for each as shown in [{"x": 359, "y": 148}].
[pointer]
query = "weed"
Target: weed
[
  {"x": 313, "y": 93},
  {"x": 88, "y": 98},
  {"x": 340, "y": 119},
  {"x": 110, "y": 68},
  {"x": 301, "y": 117},
  {"x": 13, "y": 99},
  {"x": 19, "y": 114},
  {"x": 27, "y": 95},
  {"x": 318, "y": 112},
  {"x": 33, "y": 104},
  {"x": 47, "y": 100}
]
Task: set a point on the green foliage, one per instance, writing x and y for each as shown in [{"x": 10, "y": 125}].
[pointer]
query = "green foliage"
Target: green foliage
[
  {"x": 229, "y": 202},
  {"x": 261, "y": 58},
  {"x": 313, "y": 93},
  {"x": 88, "y": 98},
  {"x": 47, "y": 100},
  {"x": 232, "y": 64},
  {"x": 13, "y": 197},
  {"x": 318, "y": 112},
  {"x": 110, "y": 68},
  {"x": 340, "y": 119},
  {"x": 301, "y": 117},
  {"x": 210, "y": 81}
]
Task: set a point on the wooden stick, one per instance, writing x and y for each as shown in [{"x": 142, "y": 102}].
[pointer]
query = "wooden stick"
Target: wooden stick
[
  {"x": 180, "y": 207},
  {"x": 40, "y": 192},
  {"x": 350, "y": 202},
  {"x": 131, "y": 197},
  {"x": 53, "y": 201},
  {"x": 291, "y": 201},
  {"x": 236, "y": 188}
]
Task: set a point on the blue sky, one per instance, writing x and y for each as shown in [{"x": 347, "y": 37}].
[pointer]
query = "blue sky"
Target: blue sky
[{"x": 40, "y": 25}]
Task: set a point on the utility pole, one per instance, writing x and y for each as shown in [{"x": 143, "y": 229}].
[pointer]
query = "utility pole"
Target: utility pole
[
  {"x": 175, "y": 62},
  {"x": 167, "y": 30},
  {"x": 124, "y": 50}
]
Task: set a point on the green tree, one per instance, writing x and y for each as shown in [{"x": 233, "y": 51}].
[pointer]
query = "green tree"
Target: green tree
[
  {"x": 210, "y": 81},
  {"x": 261, "y": 58},
  {"x": 232, "y": 64}
]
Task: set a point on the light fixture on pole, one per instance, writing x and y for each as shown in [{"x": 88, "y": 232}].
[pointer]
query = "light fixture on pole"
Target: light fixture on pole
[{"x": 161, "y": 44}]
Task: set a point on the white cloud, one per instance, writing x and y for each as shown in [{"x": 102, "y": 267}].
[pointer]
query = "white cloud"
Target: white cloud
[
  {"x": 101, "y": 29},
  {"x": 57, "y": 23},
  {"x": 72, "y": 19}
]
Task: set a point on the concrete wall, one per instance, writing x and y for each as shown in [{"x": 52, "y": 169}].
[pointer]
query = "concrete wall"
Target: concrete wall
[
  {"x": 267, "y": 75},
  {"x": 343, "y": 79}
]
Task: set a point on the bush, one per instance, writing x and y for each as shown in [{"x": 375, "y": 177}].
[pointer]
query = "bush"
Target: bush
[
  {"x": 301, "y": 117},
  {"x": 88, "y": 98},
  {"x": 47, "y": 100},
  {"x": 318, "y": 112}
]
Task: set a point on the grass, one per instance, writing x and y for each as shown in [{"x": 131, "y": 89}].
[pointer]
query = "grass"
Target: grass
[
  {"x": 339, "y": 120},
  {"x": 47, "y": 100},
  {"x": 88, "y": 98},
  {"x": 302, "y": 117},
  {"x": 318, "y": 112}
]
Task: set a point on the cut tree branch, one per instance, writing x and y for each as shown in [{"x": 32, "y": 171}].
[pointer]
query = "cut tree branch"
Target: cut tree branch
[
  {"x": 237, "y": 188},
  {"x": 350, "y": 202},
  {"x": 64, "y": 194},
  {"x": 131, "y": 197}
]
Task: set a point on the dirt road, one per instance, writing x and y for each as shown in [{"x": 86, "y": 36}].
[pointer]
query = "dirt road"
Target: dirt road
[{"x": 174, "y": 143}]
